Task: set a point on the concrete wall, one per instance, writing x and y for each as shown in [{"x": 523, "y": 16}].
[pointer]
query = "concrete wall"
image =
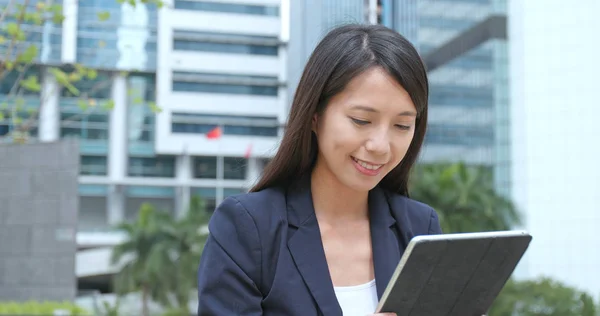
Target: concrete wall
[{"x": 38, "y": 217}]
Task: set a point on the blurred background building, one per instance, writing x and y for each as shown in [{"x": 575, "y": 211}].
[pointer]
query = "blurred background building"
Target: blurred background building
[
  {"x": 235, "y": 65},
  {"x": 556, "y": 151}
]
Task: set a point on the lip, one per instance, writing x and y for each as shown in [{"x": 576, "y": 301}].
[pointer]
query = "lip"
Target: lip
[{"x": 365, "y": 171}]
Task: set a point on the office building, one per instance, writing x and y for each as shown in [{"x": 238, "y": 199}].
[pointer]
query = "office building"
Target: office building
[{"x": 205, "y": 64}]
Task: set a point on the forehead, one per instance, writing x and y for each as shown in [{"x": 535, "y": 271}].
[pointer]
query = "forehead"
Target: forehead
[{"x": 375, "y": 88}]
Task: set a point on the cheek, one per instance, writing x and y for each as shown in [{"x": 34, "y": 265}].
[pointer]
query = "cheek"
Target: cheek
[
  {"x": 401, "y": 146},
  {"x": 336, "y": 136}
]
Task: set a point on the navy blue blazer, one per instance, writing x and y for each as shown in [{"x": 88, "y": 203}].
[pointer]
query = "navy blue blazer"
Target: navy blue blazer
[{"x": 264, "y": 254}]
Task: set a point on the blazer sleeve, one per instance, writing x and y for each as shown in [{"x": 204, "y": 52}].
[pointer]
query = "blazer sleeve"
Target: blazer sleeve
[
  {"x": 434, "y": 224},
  {"x": 230, "y": 264}
]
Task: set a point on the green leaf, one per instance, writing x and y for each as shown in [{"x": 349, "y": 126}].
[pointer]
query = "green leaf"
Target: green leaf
[
  {"x": 132, "y": 3},
  {"x": 2, "y": 39},
  {"x": 17, "y": 120},
  {"x": 4, "y": 105},
  {"x": 31, "y": 83},
  {"x": 63, "y": 80},
  {"x": 154, "y": 108},
  {"x": 82, "y": 104},
  {"x": 12, "y": 29},
  {"x": 138, "y": 100},
  {"x": 103, "y": 16},
  {"x": 92, "y": 74},
  {"x": 74, "y": 77},
  {"x": 19, "y": 103},
  {"x": 58, "y": 18},
  {"x": 109, "y": 105},
  {"x": 1, "y": 116},
  {"x": 29, "y": 55},
  {"x": 9, "y": 65},
  {"x": 33, "y": 17}
]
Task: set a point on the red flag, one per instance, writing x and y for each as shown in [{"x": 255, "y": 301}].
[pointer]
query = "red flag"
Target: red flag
[
  {"x": 214, "y": 133},
  {"x": 248, "y": 151}
]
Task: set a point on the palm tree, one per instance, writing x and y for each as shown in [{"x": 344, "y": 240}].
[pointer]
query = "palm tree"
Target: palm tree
[
  {"x": 464, "y": 197},
  {"x": 186, "y": 238},
  {"x": 145, "y": 256}
]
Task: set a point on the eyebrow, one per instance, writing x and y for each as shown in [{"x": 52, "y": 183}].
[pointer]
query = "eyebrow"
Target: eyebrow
[{"x": 370, "y": 109}]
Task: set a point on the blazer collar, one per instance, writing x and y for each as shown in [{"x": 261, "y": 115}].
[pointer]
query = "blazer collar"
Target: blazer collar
[{"x": 306, "y": 247}]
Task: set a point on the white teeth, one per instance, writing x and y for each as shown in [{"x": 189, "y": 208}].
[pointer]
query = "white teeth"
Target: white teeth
[{"x": 367, "y": 165}]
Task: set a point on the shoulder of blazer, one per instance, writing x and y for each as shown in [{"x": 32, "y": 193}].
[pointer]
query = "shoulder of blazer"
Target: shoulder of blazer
[
  {"x": 264, "y": 206},
  {"x": 419, "y": 215},
  {"x": 268, "y": 210}
]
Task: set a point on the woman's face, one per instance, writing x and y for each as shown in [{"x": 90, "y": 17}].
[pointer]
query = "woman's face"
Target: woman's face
[{"x": 365, "y": 130}]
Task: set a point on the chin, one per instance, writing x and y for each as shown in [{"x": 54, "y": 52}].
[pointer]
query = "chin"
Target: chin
[{"x": 361, "y": 185}]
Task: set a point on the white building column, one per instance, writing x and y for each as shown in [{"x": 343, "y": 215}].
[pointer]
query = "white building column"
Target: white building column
[
  {"x": 117, "y": 150},
  {"x": 183, "y": 190},
  {"x": 253, "y": 170},
  {"x": 49, "y": 116},
  {"x": 69, "y": 32}
]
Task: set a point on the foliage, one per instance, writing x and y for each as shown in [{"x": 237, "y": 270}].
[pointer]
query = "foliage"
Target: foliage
[
  {"x": 109, "y": 310},
  {"x": 39, "y": 308},
  {"x": 164, "y": 253},
  {"x": 544, "y": 297},
  {"x": 19, "y": 21},
  {"x": 463, "y": 196}
]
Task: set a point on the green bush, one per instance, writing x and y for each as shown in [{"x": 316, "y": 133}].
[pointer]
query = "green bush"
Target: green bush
[
  {"x": 542, "y": 297},
  {"x": 40, "y": 308}
]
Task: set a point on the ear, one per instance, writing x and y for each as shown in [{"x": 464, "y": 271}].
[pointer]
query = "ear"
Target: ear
[{"x": 314, "y": 122}]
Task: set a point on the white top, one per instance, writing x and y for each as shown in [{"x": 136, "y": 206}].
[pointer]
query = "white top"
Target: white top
[{"x": 357, "y": 300}]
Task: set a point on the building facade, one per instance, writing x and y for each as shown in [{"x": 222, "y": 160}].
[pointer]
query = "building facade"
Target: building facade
[
  {"x": 201, "y": 69},
  {"x": 203, "y": 64},
  {"x": 468, "y": 95},
  {"x": 556, "y": 149}
]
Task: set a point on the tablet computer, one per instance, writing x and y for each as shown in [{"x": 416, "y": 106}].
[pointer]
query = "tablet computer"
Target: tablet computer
[{"x": 453, "y": 274}]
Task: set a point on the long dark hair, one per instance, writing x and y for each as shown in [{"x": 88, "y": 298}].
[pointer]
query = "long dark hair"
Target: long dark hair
[{"x": 344, "y": 53}]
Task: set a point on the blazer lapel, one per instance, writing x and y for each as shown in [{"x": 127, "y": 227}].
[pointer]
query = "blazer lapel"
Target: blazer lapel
[
  {"x": 384, "y": 239},
  {"x": 307, "y": 251}
]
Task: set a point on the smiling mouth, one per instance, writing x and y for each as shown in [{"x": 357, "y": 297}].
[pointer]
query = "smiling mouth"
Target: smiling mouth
[{"x": 367, "y": 165}]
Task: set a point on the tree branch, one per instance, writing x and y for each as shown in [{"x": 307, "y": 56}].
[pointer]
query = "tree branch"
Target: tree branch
[
  {"x": 6, "y": 10},
  {"x": 13, "y": 39}
]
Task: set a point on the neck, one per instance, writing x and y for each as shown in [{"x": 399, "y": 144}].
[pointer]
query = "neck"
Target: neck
[{"x": 335, "y": 202}]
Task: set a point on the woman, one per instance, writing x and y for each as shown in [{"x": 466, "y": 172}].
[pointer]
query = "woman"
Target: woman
[{"x": 323, "y": 230}]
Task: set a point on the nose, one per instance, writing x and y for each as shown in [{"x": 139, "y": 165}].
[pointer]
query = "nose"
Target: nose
[{"x": 378, "y": 142}]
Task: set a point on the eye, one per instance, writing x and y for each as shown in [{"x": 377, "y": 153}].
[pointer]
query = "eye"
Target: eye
[
  {"x": 359, "y": 122},
  {"x": 403, "y": 127}
]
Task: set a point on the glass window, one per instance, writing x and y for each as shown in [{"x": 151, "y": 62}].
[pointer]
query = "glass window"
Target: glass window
[
  {"x": 10, "y": 77},
  {"x": 99, "y": 88},
  {"x": 226, "y": 48},
  {"x": 227, "y": 7},
  {"x": 232, "y": 125},
  {"x": 234, "y": 168},
  {"x": 140, "y": 120},
  {"x": 93, "y": 165},
  {"x": 205, "y": 167},
  {"x": 159, "y": 166},
  {"x": 460, "y": 135},
  {"x": 208, "y": 196},
  {"x": 183, "y": 86},
  {"x": 227, "y": 129}
]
